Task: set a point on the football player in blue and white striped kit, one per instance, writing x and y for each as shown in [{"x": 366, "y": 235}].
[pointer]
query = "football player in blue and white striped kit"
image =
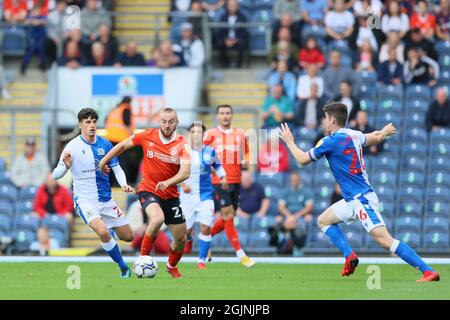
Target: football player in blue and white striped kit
[
  {"x": 92, "y": 189},
  {"x": 197, "y": 192}
]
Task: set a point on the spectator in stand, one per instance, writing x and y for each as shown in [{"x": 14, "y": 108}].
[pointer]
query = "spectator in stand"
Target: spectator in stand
[
  {"x": 53, "y": 198},
  {"x": 417, "y": 71},
  {"x": 313, "y": 11},
  {"x": 309, "y": 112},
  {"x": 339, "y": 22},
  {"x": 311, "y": 53},
  {"x": 283, "y": 35},
  {"x": 76, "y": 36},
  {"x": 273, "y": 157},
  {"x": 285, "y": 78},
  {"x": 364, "y": 32},
  {"x": 181, "y": 5},
  {"x": 57, "y": 31},
  {"x": 164, "y": 57},
  {"x": 98, "y": 57},
  {"x": 15, "y": 11},
  {"x": 423, "y": 20},
  {"x": 305, "y": 81},
  {"x": 284, "y": 53},
  {"x": 131, "y": 57},
  {"x": 417, "y": 40},
  {"x": 286, "y": 20},
  {"x": 110, "y": 42},
  {"x": 208, "y": 6},
  {"x": 277, "y": 108},
  {"x": 334, "y": 74},
  {"x": 392, "y": 42},
  {"x": 72, "y": 57},
  {"x": 362, "y": 124},
  {"x": 232, "y": 38},
  {"x": 367, "y": 58},
  {"x": 196, "y": 19},
  {"x": 36, "y": 40},
  {"x": 394, "y": 20},
  {"x": 190, "y": 47},
  {"x": 351, "y": 101},
  {"x": 438, "y": 115},
  {"x": 91, "y": 19},
  {"x": 44, "y": 242},
  {"x": 443, "y": 21},
  {"x": 253, "y": 200},
  {"x": 43, "y": 5},
  {"x": 364, "y": 7},
  {"x": 31, "y": 168},
  {"x": 290, "y": 7},
  {"x": 390, "y": 72}
]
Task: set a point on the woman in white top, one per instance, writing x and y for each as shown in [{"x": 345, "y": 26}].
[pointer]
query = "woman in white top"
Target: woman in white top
[{"x": 395, "y": 20}]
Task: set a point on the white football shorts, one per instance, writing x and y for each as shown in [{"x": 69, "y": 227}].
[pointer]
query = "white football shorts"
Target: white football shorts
[
  {"x": 198, "y": 211},
  {"x": 109, "y": 212}
]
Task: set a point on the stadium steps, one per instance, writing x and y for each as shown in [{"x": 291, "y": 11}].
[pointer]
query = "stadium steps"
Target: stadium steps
[
  {"x": 136, "y": 20},
  {"x": 27, "y": 91}
]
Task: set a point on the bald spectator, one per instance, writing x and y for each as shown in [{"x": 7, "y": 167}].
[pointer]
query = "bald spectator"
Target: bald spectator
[
  {"x": 91, "y": 18},
  {"x": 277, "y": 108},
  {"x": 131, "y": 57},
  {"x": 438, "y": 115},
  {"x": 31, "y": 168},
  {"x": 334, "y": 74},
  {"x": 52, "y": 198},
  {"x": 253, "y": 198},
  {"x": 98, "y": 56}
]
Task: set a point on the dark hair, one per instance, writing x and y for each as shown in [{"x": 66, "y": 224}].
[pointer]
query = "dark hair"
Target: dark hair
[
  {"x": 197, "y": 124},
  {"x": 347, "y": 83},
  {"x": 224, "y": 106},
  {"x": 87, "y": 113},
  {"x": 337, "y": 110},
  {"x": 125, "y": 99}
]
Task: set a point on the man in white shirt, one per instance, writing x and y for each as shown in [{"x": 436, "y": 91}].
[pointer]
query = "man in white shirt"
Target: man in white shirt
[{"x": 189, "y": 47}]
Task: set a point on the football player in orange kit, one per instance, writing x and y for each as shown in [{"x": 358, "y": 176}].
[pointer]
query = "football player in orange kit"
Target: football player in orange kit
[
  {"x": 232, "y": 149},
  {"x": 166, "y": 164}
]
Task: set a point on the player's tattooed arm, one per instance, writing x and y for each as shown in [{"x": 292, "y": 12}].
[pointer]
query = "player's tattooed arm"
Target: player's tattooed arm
[
  {"x": 300, "y": 156},
  {"x": 114, "y": 152},
  {"x": 377, "y": 137}
]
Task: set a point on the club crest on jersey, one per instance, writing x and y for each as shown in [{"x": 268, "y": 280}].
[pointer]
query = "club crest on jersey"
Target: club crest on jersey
[
  {"x": 173, "y": 152},
  {"x": 150, "y": 144},
  {"x": 206, "y": 157},
  {"x": 101, "y": 152}
]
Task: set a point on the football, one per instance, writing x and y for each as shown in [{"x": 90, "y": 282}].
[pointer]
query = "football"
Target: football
[{"x": 145, "y": 267}]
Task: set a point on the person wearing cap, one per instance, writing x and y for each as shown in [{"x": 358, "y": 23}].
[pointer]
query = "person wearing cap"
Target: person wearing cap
[
  {"x": 31, "y": 168},
  {"x": 190, "y": 47}
]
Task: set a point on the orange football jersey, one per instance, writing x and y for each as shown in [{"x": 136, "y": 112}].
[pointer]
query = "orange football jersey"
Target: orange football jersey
[
  {"x": 161, "y": 160},
  {"x": 232, "y": 150}
]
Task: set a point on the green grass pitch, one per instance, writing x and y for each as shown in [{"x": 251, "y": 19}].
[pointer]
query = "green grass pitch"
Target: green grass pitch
[{"x": 219, "y": 281}]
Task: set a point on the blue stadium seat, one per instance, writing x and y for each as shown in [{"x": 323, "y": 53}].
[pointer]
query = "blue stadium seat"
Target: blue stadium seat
[
  {"x": 6, "y": 208},
  {"x": 323, "y": 177},
  {"x": 438, "y": 163},
  {"x": 368, "y": 92},
  {"x": 407, "y": 223},
  {"x": 383, "y": 118},
  {"x": 307, "y": 177},
  {"x": 418, "y": 91},
  {"x": 263, "y": 4},
  {"x": 5, "y": 223},
  {"x": 385, "y": 193},
  {"x": 261, "y": 223},
  {"x": 317, "y": 239},
  {"x": 60, "y": 236},
  {"x": 410, "y": 206},
  {"x": 272, "y": 191},
  {"x": 5, "y": 178},
  {"x": 273, "y": 208},
  {"x": 317, "y": 32},
  {"x": 444, "y": 76},
  {"x": 258, "y": 42},
  {"x": 414, "y": 147},
  {"x": 441, "y": 135},
  {"x": 339, "y": 45},
  {"x": 259, "y": 238},
  {"x": 55, "y": 222},
  {"x": 367, "y": 77},
  {"x": 438, "y": 178},
  {"x": 412, "y": 177},
  {"x": 410, "y": 238},
  {"x": 389, "y": 104},
  {"x": 387, "y": 163},
  {"x": 219, "y": 241},
  {"x": 433, "y": 224},
  {"x": 354, "y": 234},
  {"x": 305, "y": 134},
  {"x": 417, "y": 104},
  {"x": 26, "y": 222},
  {"x": 387, "y": 208},
  {"x": 2, "y": 165},
  {"x": 384, "y": 177},
  {"x": 391, "y": 146},
  {"x": 8, "y": 192},
  {"x": 305, "y": 145},
  {"x": 414, "y": 162},
  {"x": 439, "y": 148},
  {"x": 14, "y": 41},
  {"x": 415, "y": 119},
  {"x": 437, "y": 208},
  {"x": 27, "y": 193},
  {"x": 416, "y": 134},
  {"x": 24, "y": 207},
  {"x": 242, "y": 224},
  {"x": 320, "y": 205},
  {"x": 23, "y": 238},
  {"x": 438, "y": 193},
  {"x": 443, "y": 46},
  {"x": 276, "y": 180},
  {"x": 391, "y": 91},
  {"x": 437, "y": 241},
  {"x": 368, "y": 105}
]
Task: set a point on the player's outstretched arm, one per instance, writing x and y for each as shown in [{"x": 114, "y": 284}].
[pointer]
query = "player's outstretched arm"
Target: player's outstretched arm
[
  {"x": 183, "y": 173},
  {"x": 63, "y": 166},
  {"x": 114, "y": 152},
  {"x": 300, "y": 156},
  {"x": 377, "y": 137},
  {"x": 122, "y": 179}
]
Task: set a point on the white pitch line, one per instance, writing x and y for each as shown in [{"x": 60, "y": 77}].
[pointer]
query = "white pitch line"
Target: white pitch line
[{"x": 268, "y": 260}]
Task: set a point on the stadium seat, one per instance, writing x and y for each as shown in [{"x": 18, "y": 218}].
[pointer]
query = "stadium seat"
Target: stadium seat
[
  {"x": 258, "y": 40},
  {"x": 387, "y": 208},
  {"x": 367, "y": 92},
  {"x": 415, "y": 119},
  {"x": 26, "y": 222},
  {"x": 412, "y": 177},
  {"x": 439, "y": 135},
  {"x": 23, "y": 238},
  {"x": 5, "y": 178},
  {"x": 273, "y": 208},
  {"x": 414, "y": 147},
  {"x": 367, "y": 77},
  {"x": 383, "y": 118},
  {"x": 23, "y": 208},
  {"x": 315, "y": 31},
  {"x": 8, "y": 192},
  {"x": 437, "y": 208},
  {"x": 305, "y": 134},
  {"x": 406, "y": 223},
  {"x": 439, "y": 148},
  {"x": 410, "y": 206},
  {"x": 55, "y": 222},
  {"x": 241, "y": 224},
  {"x": 414, "y": 162},
  {"x": 437, "y": 241},
  {"x": 306, "y": 177},
  {"x": 14, "y": 41},
  {"x": 339, "y": 45},
  {"x": 368, "y": 105},
  {"x": 391, "y": 92},
  {"x": 438, "y": 193},
  {"x": 354, "y": 234},
  {"x": 323, "y": 177},
  {"x": 389, "y": 104},
  {"x": 61, "y": 237},
  {"x": 384, "y": 177},
  {"x": 6, "y": 208},
  {"x": 317, "y": 239},
  {"x": 386, "y": 163},
  {"x": 436, "y": 224},
  {"x": 385, "y": 193},
  {"x": 259, "y": 238},
  {"x": 443, "y": 46},
  {"x": 5, "y": 223},
  {"x": 391, "y": 146},
  {"x": 418, "y": 91},
  {"x": 276, "y": 180},
  {"x": 257, "y": 224},
  {"x": 438, "y": 163},
  {"x": 416, "y": 134},
  {"x": 27, "y": 193},
  {"x": 272, "y": 191},
  {"x": 416, "y": 104},
  {"x": 320, "y": 205},
  {"x": 444, "y": 77},
  {"x": 410, "y": 238},
  {"x": 438, "y": 178}
]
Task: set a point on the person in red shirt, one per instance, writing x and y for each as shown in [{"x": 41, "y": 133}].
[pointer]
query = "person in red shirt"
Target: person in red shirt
[
  {"x": 232, "y": 149},
  {"x": 311, "y": 53},
  {"x": 53, "y": 198},
  {"x": 423, "y": 20},
  {"x": 15, "y": 11},
  {"x": 166, "y": 164}
]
